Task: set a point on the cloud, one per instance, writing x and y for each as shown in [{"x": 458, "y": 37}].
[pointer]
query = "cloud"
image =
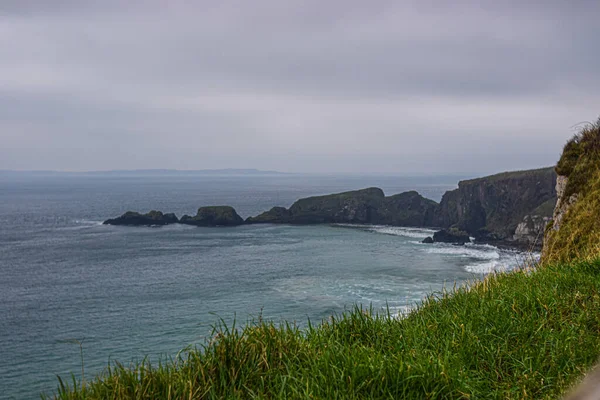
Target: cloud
[{"x": 294, "y": 86}]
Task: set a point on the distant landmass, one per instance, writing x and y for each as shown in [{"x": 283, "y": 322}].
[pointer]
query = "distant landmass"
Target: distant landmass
[{"x": 225, "y": 171}]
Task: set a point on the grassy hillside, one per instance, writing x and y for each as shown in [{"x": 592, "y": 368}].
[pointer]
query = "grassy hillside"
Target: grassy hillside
[{"x": 579, "y": 233}]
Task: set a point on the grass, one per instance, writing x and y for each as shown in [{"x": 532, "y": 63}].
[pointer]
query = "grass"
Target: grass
[
  {"x": 579, "y": 234},
  {"x": 526, "y": 334}
]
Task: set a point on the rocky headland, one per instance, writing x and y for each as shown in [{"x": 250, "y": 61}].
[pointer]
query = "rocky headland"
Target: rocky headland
[{"x": 507, "y": 209}]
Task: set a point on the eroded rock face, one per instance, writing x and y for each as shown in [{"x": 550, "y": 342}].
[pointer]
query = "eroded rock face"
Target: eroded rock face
[
  {"x": 562, "y": 204},
  {"x": 132, "y": 218},
  {"x": 214, "y": 216},
  {"x": 531, "y": 229}
]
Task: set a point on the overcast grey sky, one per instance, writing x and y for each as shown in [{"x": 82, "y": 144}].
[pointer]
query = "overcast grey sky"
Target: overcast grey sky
[{"x": 297, "y": 86}]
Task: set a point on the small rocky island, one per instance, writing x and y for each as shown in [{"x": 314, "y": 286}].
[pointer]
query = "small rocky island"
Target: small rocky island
[{"x": 510, "y": 209}]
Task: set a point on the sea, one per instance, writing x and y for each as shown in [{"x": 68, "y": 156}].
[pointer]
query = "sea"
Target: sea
[{"x": 70, "y": 286}]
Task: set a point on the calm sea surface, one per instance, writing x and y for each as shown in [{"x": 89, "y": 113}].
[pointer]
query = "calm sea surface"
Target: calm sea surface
[{"x": 130, "y": 292}]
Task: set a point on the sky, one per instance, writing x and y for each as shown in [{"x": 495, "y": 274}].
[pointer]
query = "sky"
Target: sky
[{"x": 337, "y": 86}]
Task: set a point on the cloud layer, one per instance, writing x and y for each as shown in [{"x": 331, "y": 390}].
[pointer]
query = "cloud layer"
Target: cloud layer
[{"x": 307, "y": 86}]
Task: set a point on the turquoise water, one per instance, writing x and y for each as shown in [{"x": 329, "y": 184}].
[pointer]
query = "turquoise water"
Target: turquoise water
[{"x": 128, "y": 292}]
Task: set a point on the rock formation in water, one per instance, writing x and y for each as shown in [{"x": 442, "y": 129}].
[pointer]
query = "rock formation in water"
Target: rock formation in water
[
  {"x": 366, "y": 206},
  {"x": 213, "y": 216},
  {"x": 134, "y": 218}
]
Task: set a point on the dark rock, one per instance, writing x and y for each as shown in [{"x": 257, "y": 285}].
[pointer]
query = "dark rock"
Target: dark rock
[
  {"x": 428, "y": 240},
  {"x": 366, "y": 206},
  {"x": 149, "y": 219},
  {"x": 454, "y": 236},
  {"x": 214, "y": 216}
]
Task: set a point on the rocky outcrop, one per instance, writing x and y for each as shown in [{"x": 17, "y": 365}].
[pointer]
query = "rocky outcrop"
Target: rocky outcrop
[
  {"x": 531, "y": 230},
  {"x": 563, "y": 202},
  {"x": 452, "y": 235},
  {"x": 152, "y": 218},
  {"x": 366, "y": 206},
  {"x": 491, "y": 208},
  {"x": 214, "y": 216}
]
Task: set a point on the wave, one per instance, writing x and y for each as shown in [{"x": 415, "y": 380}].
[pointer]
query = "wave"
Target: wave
[
  {"x": 419, "y": 233},
  {"x": 87, "y": 222},
  {"x": 484, "y": 252},
  {"x": 489, "y": 267}
]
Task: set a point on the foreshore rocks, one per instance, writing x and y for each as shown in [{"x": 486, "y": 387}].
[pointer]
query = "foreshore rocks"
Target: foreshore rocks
[
  {"x": 152, "y": 218},
  {"x": 453, "y": 236},
  {"x": 213, "y": 216}
]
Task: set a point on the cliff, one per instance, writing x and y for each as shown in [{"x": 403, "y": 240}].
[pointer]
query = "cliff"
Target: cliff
[
  {"x": 492, "y": 208},
  {"x": 575, "y": 229}
]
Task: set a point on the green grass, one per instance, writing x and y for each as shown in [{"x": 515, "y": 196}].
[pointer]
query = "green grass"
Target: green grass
[{"x": 526, "y": 334}]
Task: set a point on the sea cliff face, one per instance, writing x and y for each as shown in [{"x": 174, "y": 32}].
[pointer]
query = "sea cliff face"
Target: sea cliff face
[{"x": 491, "y": 208}]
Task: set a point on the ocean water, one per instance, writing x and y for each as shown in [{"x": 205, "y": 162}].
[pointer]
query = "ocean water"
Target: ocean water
[{"x": 131, "y": 292}]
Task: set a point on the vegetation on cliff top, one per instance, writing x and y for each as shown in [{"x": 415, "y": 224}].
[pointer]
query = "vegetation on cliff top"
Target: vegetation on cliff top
[{"x": 579, "y": 233}]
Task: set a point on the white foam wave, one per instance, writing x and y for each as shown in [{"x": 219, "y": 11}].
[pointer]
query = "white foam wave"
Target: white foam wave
[
  {"x": 488, "y": 267},
  {"x": 87, "y": 222},
  {"x": 419, "y": 233},
  {"x": 484, "y": 253}
]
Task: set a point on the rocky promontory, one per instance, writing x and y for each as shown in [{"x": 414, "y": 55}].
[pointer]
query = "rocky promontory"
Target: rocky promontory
[
  {"x": 491, "y": 208},
  {"x": 365, "y": 206}
]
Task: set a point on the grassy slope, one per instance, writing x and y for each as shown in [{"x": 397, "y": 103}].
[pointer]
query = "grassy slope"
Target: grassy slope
[
  {"x": 579, "y": 233},
  {"x": 522, "y": 334}
]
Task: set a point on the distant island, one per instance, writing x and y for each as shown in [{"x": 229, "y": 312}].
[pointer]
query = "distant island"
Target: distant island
[{"x": 506, "y": 209}]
